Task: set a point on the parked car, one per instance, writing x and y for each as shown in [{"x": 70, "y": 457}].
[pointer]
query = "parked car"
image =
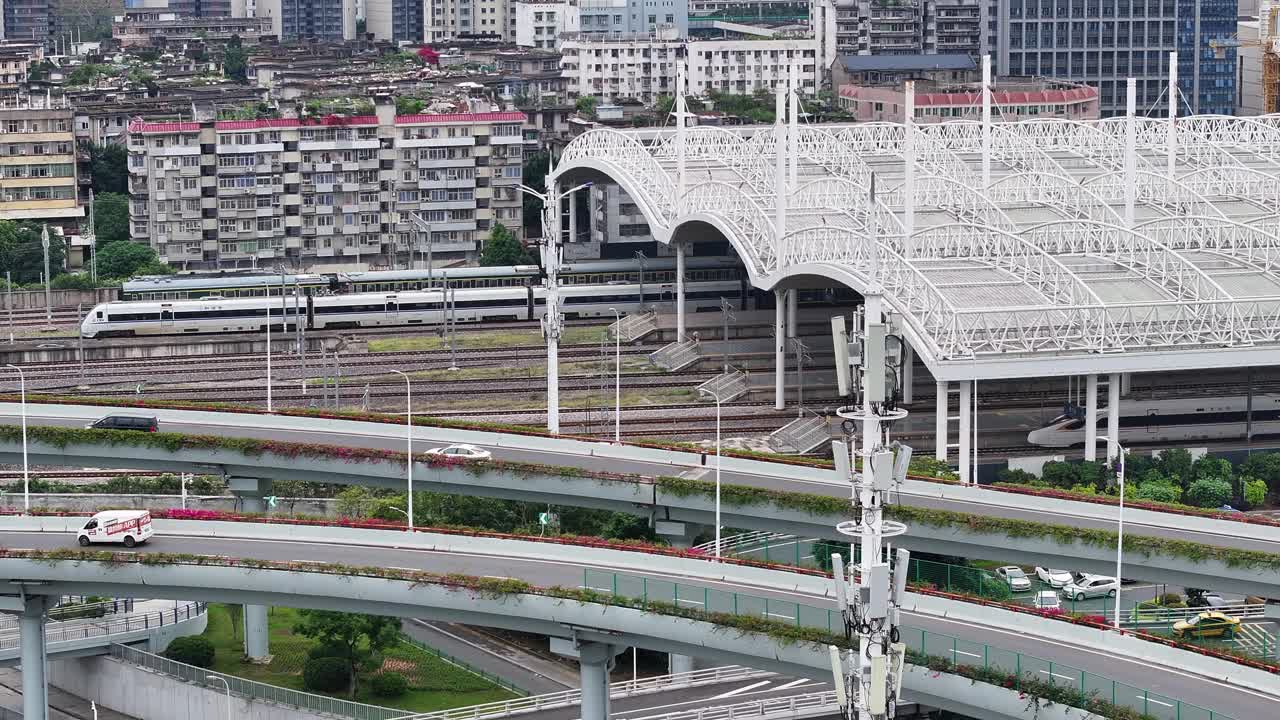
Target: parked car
[
  {"x": 1207, "y": 624},
  {"x": 469, "y": 452},
  {"x": 1017, "y": 579},
  {"x": 1199, "y": 597},
  {"x": 1090, "y": 586},
  {"x": 1046, "y": 600},
  {"x": 1053, "y": 578},
  {"x": 143, "y": 423}
]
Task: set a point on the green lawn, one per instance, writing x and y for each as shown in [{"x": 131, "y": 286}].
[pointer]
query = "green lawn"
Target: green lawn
[{"x": 434, "y": 684}]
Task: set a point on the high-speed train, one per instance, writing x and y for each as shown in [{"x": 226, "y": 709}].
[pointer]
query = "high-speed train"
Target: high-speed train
[
  {"x": 1168, "y": 420},
  {"x": 222, "y": 315}
]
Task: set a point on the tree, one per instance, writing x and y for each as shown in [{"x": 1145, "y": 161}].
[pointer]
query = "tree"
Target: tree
[
  {"x": 1158, "y": 491},
  {"x": 535, "y": 176},
  {"x": 1175, "y": 464},
  {"x": 111, "y": 219},
  {"x": 22, "y": 254},
  {"x": 109, "y": 169},
  {"x": 1060, "y": 474},
  {"x": 1265, "y": 467},
  {"x": 85, "y": 74},
  {"x": 409, "y": 105},
  {"x": 353, "y": 502},
  {"x": 503, "y": 249},
  {"x": 586, "y": 105},
  {"x": 125, "y": 259},
  {"x": 194, "y": 650},
  {"x": 362, "y": 637},
  {"x": 235, "y": 61},
  {"x": 1209, "y": 493}
]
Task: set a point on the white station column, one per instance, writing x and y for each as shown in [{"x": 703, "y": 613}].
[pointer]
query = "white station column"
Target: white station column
[
  {"x": 966, "y": 428},
  {"x": 1113, "y": 415},
  {"x": 780, "y": 350},
  {"x": 793, "y": 302},
  {"x": 31, "y": 632},
  {"x": 1091, "y": 418},
  {"x": 573, "y": 219},
  {"x": 680, "y": 292},
  {"x": 552, "y": 322},
  {"x": 940, "y": 421}
]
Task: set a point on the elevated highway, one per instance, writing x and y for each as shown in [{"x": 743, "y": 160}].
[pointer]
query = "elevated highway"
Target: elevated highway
[
  {"x": 1206, "y": 568},
  {"x": 1140, "y": 669}
]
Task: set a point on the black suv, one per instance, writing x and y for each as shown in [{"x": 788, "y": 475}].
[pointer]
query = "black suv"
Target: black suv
[{"x": 126, "y": 422}]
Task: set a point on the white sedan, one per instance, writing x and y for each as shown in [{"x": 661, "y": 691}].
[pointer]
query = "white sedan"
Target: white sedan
[
  {"x": 1053, "y": 578},
  {"x": 1017, "y": 579},
  {"x": 466, "y": 452}
]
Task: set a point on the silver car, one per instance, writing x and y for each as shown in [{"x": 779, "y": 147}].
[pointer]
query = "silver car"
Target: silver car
[
  {"x": 1017, "y": 579},
  {"x": 1090, "y": 586},
  {"x": 1052, "y": 577}
]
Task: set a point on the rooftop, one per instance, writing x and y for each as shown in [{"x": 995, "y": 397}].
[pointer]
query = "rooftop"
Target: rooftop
[{"x": 907, "y": 63}]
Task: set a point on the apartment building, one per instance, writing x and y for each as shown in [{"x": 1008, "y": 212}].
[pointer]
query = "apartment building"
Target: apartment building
[
  {"x": 200, "y": 8},
  {"x": 395, "y": 20},
  {"x": 452, "y": 19},
  {"x": 38, "y": 178},
  {"x": 540, "y": 24},
  {"x": 317, "y": 20},
  {"x": 151, "y": 28},
  {"x": 643, "y": 67},
  {"x": 337, "y": 191},
  {"x": 1104, "y": 43}
]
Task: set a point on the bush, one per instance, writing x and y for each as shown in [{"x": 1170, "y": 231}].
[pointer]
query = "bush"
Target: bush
[
  {"x": 1209, "y": 492},
  {"x": 389, "y": 684},
  {"x": 1060, "y": 474},
  {"x": 1085, "y": 489},
  {"x": 1170, "y": 599},
  {"x": 1254, "y": 491},
  {"x": 1017, "y": 477},
  {"x": 1158, "y": 491},
  {"x": 326, "y": 674},
  {"x": 195, "y": 650}
]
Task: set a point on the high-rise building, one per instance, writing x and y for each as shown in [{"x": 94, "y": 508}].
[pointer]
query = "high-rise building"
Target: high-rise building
[
  {"x": 200, "y": 8},
  {"x": 901, "y": 27},
  {"x": 450, "y": 19},
  {"x": 395, "y": 20},
  {"x": 322, "y": 20},
  {"x": 1104, "y": 43},
  {"x": 328, "y": 191},
  {"x": 26, "y": 19}
]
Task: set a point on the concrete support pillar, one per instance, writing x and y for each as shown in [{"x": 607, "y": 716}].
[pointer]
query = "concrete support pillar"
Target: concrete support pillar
[
  {"x": 256, "y": 643},
  {"x": 679, "y": 663},
  {"x": 252, "y": 493},
  {"x": 966, "y": 427},
  {"x": 593, "y": 662},
  {"x": 941, "y": 408},
  {"x": 35, "y": 689},
  {"x": 793, "y": 325},
  {"x": 780, "y": 350},
  {"x": 1126, "y": 384},
  {"x": 680, "y": 292},
  {"x": 1113, "y": 415},
  {"x": 1091, "y": 418},
  {"x": 908, "y": 374}
]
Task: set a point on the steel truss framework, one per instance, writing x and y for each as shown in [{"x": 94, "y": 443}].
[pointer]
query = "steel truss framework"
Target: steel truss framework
[{"x": 1038, "y": 266}]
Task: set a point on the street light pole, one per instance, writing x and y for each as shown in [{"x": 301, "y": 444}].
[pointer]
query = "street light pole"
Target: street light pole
[
  {"x": 408, "y": 440},
  {"x": 617, "y": 377},
  {"x": 26, "y": 477},
  {"x": 228, "y": 685},
  {"x": 8, "y": 283}
]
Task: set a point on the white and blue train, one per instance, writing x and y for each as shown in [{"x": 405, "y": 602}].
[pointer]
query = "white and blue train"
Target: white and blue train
[{"x": 1152, "y": 421}]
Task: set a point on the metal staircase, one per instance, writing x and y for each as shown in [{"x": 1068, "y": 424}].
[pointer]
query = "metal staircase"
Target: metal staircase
[
  {"x": 801, "y": 435},
  {"x": 726, "y": 386},
  {"x": 677, "y": 355},
  {"x": 630, "y": 328}
]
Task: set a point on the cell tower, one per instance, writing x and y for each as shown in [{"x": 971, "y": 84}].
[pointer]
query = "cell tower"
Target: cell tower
[{"x": 868, "y": 678}]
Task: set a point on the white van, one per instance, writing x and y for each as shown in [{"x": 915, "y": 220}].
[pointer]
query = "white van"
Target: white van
[{"x": 123, "y": 526}]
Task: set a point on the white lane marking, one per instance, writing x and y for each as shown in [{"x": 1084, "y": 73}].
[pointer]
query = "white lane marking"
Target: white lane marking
[
  {"x": 962, "y": 652},
  {"x": 741, "y": 690},
  {"x": 777, "y": 615},
  {"x": 691, "y": 602},
  {"x": 792, "y": 684},
  {"x": 1057, "y": 675},
  {"x": 1147, "y": 699},
  {"x": 588, "y": 587}
]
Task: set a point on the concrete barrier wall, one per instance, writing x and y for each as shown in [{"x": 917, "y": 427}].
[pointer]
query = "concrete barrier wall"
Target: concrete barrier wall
[
  {"x": 34, "y": 299},
  {"x": 142, "y": 693}
]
